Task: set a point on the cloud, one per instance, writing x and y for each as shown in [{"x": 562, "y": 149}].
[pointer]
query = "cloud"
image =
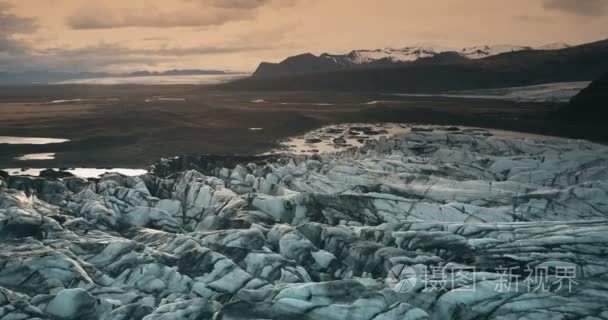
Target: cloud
[
  {"x": 110, "y": 55},
  {"x": 586, "y": 8},
  {"x": 101, "y": 17},
  {"x": 236, "y": 4},
  {"x": 20, "y": 55},
  {"x": 155, "y": 39},
  {"x": 113, "y": 49},
  {"x": 11, "y": 25},
  {"x": 527, "y": 18},
  {"x": 96, "y": 15},
  {"x": 246, "y": 4},
  {"x": 8, "y": 45}
]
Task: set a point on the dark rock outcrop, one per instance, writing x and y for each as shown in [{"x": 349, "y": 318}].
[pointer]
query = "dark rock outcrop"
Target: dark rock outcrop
[
  {"x": 54, "y": 174},
  {"x": 590, "y": 105}
]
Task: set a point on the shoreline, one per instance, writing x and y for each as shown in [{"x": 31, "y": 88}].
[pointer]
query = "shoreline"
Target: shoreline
[{"x": 322, "y": 140}]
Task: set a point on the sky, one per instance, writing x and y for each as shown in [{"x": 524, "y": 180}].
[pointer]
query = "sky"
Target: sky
[{"x": 119, "y": 35}]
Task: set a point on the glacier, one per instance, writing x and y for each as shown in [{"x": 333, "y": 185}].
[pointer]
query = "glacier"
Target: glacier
[{"x": 319, "y": 236}]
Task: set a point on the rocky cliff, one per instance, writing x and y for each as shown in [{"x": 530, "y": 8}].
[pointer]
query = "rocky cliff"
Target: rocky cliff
[{"x": 591, "y": 104}]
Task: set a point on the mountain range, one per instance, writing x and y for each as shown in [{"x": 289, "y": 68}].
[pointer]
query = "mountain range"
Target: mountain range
[
  {"x": 420, "y": 70},
  {"x": 388, "y": 57}
]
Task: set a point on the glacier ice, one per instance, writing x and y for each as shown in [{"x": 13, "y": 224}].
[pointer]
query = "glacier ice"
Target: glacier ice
[{"x": 315, "y": 236}]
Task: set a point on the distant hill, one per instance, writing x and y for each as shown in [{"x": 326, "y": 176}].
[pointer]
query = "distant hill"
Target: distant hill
[
  {"x": 45, "y": 77},
  {"x": 589, "y": 105},
  {"x": 432, "y": 72}
]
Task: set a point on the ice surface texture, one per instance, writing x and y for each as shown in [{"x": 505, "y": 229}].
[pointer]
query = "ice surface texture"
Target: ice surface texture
[{"x": 315, "y": 237}]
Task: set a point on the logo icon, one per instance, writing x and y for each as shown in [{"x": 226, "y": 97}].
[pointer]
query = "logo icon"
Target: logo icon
[{"x": 402, "y": 278}]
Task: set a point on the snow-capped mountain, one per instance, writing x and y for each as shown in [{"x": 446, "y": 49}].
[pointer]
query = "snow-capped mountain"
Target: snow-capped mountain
[
  {"x": 392, "y": 54},
  {"x": 479, "y": 52},
  {"x": 409, "y": 54},
  {"x": 413, "y": 53},
  {"x": 390, "y": 57}
]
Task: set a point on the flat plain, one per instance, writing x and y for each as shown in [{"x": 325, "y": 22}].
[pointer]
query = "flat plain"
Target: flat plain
[{"x": 132, "y": 126}]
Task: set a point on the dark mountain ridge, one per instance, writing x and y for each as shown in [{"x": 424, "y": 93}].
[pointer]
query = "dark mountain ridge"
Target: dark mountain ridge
[
  {"x": 309, "y": 63},
  {"x": 436, "y": 73}
]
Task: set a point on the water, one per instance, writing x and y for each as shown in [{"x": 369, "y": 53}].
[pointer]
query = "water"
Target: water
[
  {"x": 79, "y": 172},
  {"x": 335, "y": 138},
  {"x": 321, "y": 141},
  {"x": 29, "y": 140},
  {"x": 36, "y": 156},
  {"x": 164, "y": 99},
  {"x": 151, "y": 80},
  {"x": 296, "y": 103},
  {"x": 549, "y": 92},
  {"x": 66, "y": 101}
]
